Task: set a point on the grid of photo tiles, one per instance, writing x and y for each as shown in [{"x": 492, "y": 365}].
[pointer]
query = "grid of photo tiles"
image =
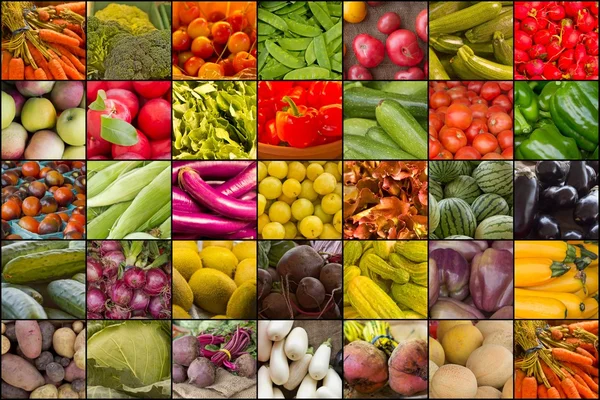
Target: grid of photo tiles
[{"x": 299, "y": 199}]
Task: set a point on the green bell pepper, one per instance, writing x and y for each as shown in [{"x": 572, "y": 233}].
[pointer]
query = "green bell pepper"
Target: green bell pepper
[
  {"x": 574, "y": 110},
  {"x": 546, "y": 143},
  {"x": 522, "y": 127},
  {"x": 547, "y": 93},
  {"x": 537, "y": 86},
  {"x": 520, "y": 139},
  {"x": 526, "y": 101}
]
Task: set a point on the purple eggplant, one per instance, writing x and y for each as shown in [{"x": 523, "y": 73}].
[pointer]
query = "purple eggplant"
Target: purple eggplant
[
  {"x": 592, "y": 177},
  {"x": 594, "y": 165},
  {"x": 551, "y": 173},
  {"x": 447, "y": 308},
  {"x": 491, "y": 282},
  {"x": 558, "y": 197},
  {"x": 526, "y": 193},
  {"x": 468, "y": 249},
  {"x": 547, "y": 227},
  {"x": 592, "y": 233},
  {"x": 586, "y": 209},
  {"x": 578, "y": 177},
  {"x": 573, "y": 234},
  {"x": 453, "y": 271},
  {"x": 434, "y": 282}
]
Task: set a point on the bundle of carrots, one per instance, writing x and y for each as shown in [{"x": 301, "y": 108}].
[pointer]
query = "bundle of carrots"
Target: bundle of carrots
[
  {"x": 46, "y": 43},
  {"x": 556, "y": 361}
]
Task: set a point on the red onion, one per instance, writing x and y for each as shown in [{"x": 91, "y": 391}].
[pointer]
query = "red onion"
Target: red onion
[
  {"x": 139, "y": 301},
  {"x": 117, "y": 312},
  {"x": 93, "y": 270},
  {"x": 159, "y": 308},
  {"x": 96, "y": 300},
  {"x": 107, "y": 246},
  {"x": 111, "y": 263},
  {"x": 120, "y": 293},
  {"x": 156, "y": 281},
  {"x": 135, "y": 278},
  {"x": 91, "y": 315}
]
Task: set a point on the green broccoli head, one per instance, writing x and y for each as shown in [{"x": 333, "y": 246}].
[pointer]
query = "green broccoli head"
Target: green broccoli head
[
  {"x": 130, "y": 16},
  {"x": 101, "y": 38},
  {"x": 146, "y": 56}
]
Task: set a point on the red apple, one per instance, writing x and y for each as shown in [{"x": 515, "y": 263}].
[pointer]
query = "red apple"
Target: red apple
[
  {"x": 92, "y": 90},
  {"x": 154, "y": 119},
  {"x": 119, "y": 85},
  {"x": 114, "y": 109},
  {"x": 142, "y": 147},
  {"x": 126, "y": 97},
  {"x": 151, "y": 89},
  {"x": 160, "y": 148}
]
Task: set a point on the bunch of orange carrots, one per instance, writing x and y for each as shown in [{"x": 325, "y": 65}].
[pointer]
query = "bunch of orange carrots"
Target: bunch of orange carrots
[
  {"x": 556, "y": 361},
  {"x": 48, "y": 43}
]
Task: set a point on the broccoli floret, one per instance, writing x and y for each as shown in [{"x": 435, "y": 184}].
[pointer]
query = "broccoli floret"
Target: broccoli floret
[
  {"x": 130, "y": 16},
  {"x": 101, "y": 38},
  {"x": 146, "y": 56}
]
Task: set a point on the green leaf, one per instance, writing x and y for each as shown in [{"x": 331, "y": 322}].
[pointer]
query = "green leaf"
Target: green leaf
[
  {"x": 101, "y": 392},
  {"x": 98, "y": 104},
  {"x": 118, "y": 131}
]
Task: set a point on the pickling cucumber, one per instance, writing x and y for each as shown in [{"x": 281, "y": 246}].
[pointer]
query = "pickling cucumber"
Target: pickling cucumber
[
  {"x": 17, "y": 304},
  {"x": 44, "y": 266},
  {"x": 31, "y": 292},
  {"x": 69, "y": 296},
  {"x": 15, "y": 250}
]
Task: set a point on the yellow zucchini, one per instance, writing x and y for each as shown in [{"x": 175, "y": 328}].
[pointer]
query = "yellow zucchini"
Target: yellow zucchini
[
  {"x": 572, "y": 281},
  {"x": 554, "y": 250},
  {"x": 575, "y": 307},
  {"x": 591, "y": 283},
  {"x": 587, "y": 256},
  {"x": 539, "y": 307},
  {"x": 536, "y": 271},
  {"x": 591, "y": 306}
]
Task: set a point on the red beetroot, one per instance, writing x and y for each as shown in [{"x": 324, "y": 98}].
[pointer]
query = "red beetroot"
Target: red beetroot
[
  {"x": 408, "y": 367},
  {"x": 365, "y": 367}
]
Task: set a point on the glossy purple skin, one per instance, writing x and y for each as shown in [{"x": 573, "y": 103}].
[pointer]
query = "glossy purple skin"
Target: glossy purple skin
[
  {"x": 491, "y": 282},
  {"x": 468, "y": 249},
  {"x": 453, "y": 271},
  {"x": 447, "y": 308}
]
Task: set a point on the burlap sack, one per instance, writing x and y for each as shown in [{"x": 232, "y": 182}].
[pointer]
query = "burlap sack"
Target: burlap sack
[{"x": 226, "y": 386}]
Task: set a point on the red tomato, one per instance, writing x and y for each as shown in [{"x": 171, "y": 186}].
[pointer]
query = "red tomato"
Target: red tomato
[
  {"x": 443, "y": 155},
  {"x": 436, "y": 121},
  {"x": 459, "y": 116},
  {"x": 505, "y": 85},
  {"x": 505, "y": 139},
  {"x": 471, "y": 95},
  {"x": 467, "y": 153},
  {"x": 485, "y": 143},
  {"x": 475, "y": 86},
  {"x": 494, "y": 109},
  {"x": 478, "y": 110},
  {"x": 478, "y": 126},
  {"x": 479, "y": 100},
  {"x": 462, "y": 100},
  {"x": 434, "y": 147},
  {"x": 453, "y": 139},
  {"x": 457, "y": 92},
  {"x": 439, "y": 86},
  {"x": 508, "y": 153},
  {"x": 503, "y": 101},
  {"x": 498, "y": 122},
  {"x": 439, "y": 99},
  {"x": 433, "y": 132},
  {"x": 453, "y": 84},
  {"x": 441, "y": 112},
  {"x": 490, "y": 90},
  {"x": 510, "y": 96},
  {"x": 492, "y": 156}
]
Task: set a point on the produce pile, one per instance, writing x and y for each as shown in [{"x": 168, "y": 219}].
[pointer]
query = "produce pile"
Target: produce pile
[
  {"x": 556, "y": 40},
  {"x": 223, "y": 208},
  {"x": 43, "y": 280},
  {"x": 124, "y": 45},
  {"x": 471, "y": 41},
  {"x": 46, "y": 42},
  {"x": 43, "y": 120},
  {"x": 206, "y": 353},
  {"x": 556, "y": 120},
  {"x": 471, "y": 279},
  {"x": 377, "y": 355},
  {"x": 463, "y": 127},
  {"x": 556, "y": 361},
  {"x": 556, "y": 279},
  {"x": 385, "y": 200},
  {"x": 220, "y": 280},
  {"x": 300, "y": 114},
  {"x": 214, "y": 120},
  {"x": 557, "y": 200},
  {"x": 43, "y": 360},
  {"x": 396, "y": 130},
  {"x": 128, "y": 279},
  {"x": 299, "y": 41},
  {"x": 129, "y": 200},
  {"x": 278, "y": 344},
  {"x": 300, "y": 199},
  {"x": 129, "y": 120},
  {"x": 469, "y": 361},
  {"x": 299, "y": 281},
  {"x": 214, "y": 41},
  {"x": 385, "y": 279},
  {"x": 471, "y": 199},
  {"x": 43, "y": 200},
  {"x": 121, "y": 365},
  {"x": 401, "y": 45}
]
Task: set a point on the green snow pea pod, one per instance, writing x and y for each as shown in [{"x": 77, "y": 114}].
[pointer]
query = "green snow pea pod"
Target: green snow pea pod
[
  {"x": 290, "y": 8},
  {"x": 335, "y": 9},
  {"x": 334, "y": 33},
  {"x": 302, "y": 29},
  {"x": 294, "y": 44},
  {"x": 321, "y": 52},
  {"x": 320, "y": 14},
  {"x": 310, "y": 55},
  {"x": 274, "y": 20},
  {"x": 274, "y": 72},
  {"x": 307, "y": 73},
  {"x": 283, "y": 56}
]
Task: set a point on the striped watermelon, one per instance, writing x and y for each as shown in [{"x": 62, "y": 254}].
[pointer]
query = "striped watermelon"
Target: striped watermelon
[
  {"x": 445, "y": 171},
  {"x": 494, "y": 177},
  {"x": 434, "y": 213},
  {"x": 436, "y": 190},
  {"x": 460, "y": 237},
  {"x": 488, "y": 205},
  {"x": 496, "y": 227},
  {"x": 465, "y": 167},
  {"x": 464, "y": 187},
  {"x": 456, "y": 218},
  {"x": 509, "y": 199}
]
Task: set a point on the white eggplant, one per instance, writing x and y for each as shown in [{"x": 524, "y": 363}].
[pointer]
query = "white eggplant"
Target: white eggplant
[
  {"x": 265, "y": 385},
  {"x": 264, "y": 344},
  {"x": 278, "y": 365},
  {"x": 278, "y": 330},
  {"x": 298, "y": 370},
  {"x": 307, "y": 389},
  {"x": 333, "y": 382},
  {"x": 320, "y": 362},
  {"x": 296, "y": 344},
  {"x": 325, "y": 393}
]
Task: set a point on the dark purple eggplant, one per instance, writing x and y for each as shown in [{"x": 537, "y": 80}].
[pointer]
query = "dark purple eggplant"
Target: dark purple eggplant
[
  {"x": 586, "y": 209},
  {"x": 592, "y": 233},
  {"x": 526, "y": 193},
  {"x": 573, "y": 234},
  {"x": 558, "y": 197},
  {"x": 578, "y": 177},
  {"x": 592, "y": 177},
  {"x": 551, "y": 173},
  {"x": 593, "y": 164},
  {"x": 546, "y": 227}
]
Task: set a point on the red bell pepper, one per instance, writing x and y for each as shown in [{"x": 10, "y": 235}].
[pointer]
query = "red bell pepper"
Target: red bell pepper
[
  {"x": 322, "y": 93},
  {"x": 297, "y": 126},
  {"x": 296, "y": 93},
  {"x": 268, "y": 135},
  {"x": 330, "y": 120}
]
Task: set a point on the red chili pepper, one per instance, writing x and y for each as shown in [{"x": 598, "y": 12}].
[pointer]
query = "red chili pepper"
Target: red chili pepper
[
  {"x": 330, "y": 120},
  {"x": 298, "y": 125},
  {"x": 269, "y": 134},
  {"x": 324, "y": 93}
]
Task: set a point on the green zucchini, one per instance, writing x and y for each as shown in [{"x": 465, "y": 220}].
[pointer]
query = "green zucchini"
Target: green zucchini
[
  {"x": 358, "y": 126},
  {"x": 442, "y": 8},
  {"x": 369, "y": 150},
  {"x": 29, "y": 291},
  {"x": 15, "y": 250},
  {"x": 377, "y": 134},
  {"x": 461, "y": 69},
  {"x": 69, "y": 296},
  {"x": 485, "y": 32},
  {"x": 485, "y": 68},
  {"x": 445, "y": 61},
  {"x": 407, "y": 88},
  {"x": 17, "y": 304},
  {"x": 466, "y": 18},
  {"x": 360, "y": 102},
  {"x": 450, "y": 44},
  {"x": 503, "y": 52},
  {"x": 403, "y": 128},
  {"x": 44, "y": 266},
  {"x": 80, "y": 277},
  {"x": 436, "y": 69},
  {"x": 53, "y": 313}
]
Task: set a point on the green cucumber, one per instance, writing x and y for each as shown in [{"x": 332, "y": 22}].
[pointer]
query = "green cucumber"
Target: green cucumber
[
  {"x": 403, "y": 128},
  {"x": 466, "y": 18},
  {"x": 436, "y": 69},
  {"x": 450, "y": 44},
  {"x": 69, "y": 296},
  {"x": 360, "y": 102},
  {"x": 369, "y": 150},
  {"x": 15, "y": 250},
  {"x": 486, "y": 69},
  {"x": 442, "y": 8},
  {"x": 17, "y": 304},
  {"x": 485, "y": 32},
  {"x": 53, "y": 313},
  {"x": 44, "y": 266},
  {"x": 377, "y": 134},
  {"x": 358, "y": 126},
  {"x": 30, "y": 291}
]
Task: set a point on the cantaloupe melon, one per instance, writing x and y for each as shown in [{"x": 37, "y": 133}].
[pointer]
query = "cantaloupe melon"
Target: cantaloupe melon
[
  {"x": 507, "y": 390},
  {"x": 453, "y": 382},
  {"x": 491, "y": 364},
  {"x": 487, "y": 392},
  {"x": 445, "y": 326},
  {"x": 436, "y": 352},
  {"x": 502, "y": 337},
  {"x": 459, "y": 342},
  {"x": 212, "y": 290},
  {"x": 487, "y": 327},
  {"x": 186, "y": 261}
]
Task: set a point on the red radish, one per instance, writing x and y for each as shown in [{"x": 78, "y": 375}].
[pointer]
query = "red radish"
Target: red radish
[
  {"x": 566, "y": 59},
  {"x": 538, "y": 51},
  {"x": 368, "y": 50},
  {"x": 521, "y": 11},
  {"x": 552, "y": 73},
  {"x": 591, "y": 65},
  {"x": 529, "y": 25},
  {"x": 591, "y": 43},
  {"x": 403, "y": 48},
  {"x": 521, "y": 56},
  {"x": 542, "y": 37},
  {"x": 576, "y": 72},
  {"x": 570, "y": 38},
  {"x": 556, "y": 12},
  {"x": 522, "y": 40},
  {"x": 580, "y": 53},
  {"x": 553, "y": 50},
  {"x": 593, "y": 9},
  {"x": 572, "y": 8},
  {"x": 534, "y": 67},
  {"x": 586, "y": 22}
]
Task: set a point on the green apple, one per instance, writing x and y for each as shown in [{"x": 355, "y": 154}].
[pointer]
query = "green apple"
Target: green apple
[
  {"x": 74, "y": 153},
  {"x": 71, "y": 126},
  {"x": 8, "y": 109},
  {"x": 38, "y": 113}
]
